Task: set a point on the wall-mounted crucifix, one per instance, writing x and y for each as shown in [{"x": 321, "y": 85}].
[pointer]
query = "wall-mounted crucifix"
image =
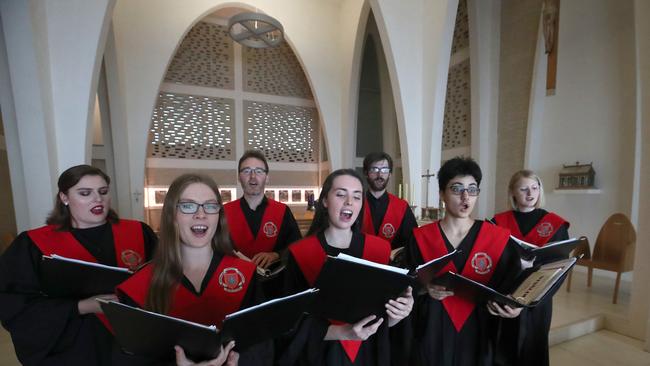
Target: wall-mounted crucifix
[
  {"x": 428, "y": 176},
  {"x": 550, "y": 24}
]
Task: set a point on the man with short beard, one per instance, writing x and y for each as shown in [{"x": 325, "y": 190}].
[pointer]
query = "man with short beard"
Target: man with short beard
[
  {"x": 385, "y": 215},
  {"x": 260, "y": 228}
]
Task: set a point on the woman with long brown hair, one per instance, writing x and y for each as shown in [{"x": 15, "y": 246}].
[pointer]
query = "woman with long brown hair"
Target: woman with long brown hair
[
  {"x": 193, "y": 275},
  {"x": 68, "y": 331},
  {"x": 336, "y": 228}
]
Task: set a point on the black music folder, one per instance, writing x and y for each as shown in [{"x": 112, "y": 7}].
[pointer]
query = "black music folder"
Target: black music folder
[
  {"x": 426, "y": 272},
  {"x": 352, "y": 288},
  {"x": 550, "y": 251},
  {"x": 67, "y": 277},
  {"x": 154, "y": 335},
  {"x": 531, "y": 287}
]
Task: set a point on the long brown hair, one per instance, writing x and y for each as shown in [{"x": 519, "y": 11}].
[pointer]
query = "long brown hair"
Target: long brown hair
[
  {"x": 60, "y": 215},
  {"x": 321, "y": 218},
  {"x": 167, "y": 262}
]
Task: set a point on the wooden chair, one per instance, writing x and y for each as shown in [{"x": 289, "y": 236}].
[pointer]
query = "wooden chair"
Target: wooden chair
[
  {"x": 5, "y": 241},
  {"x": 583, "y": 250},
  {"x": 613, "y": 251}
]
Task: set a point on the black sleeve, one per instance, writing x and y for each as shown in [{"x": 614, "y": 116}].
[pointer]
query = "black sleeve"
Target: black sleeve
[
  {"x": 412, "y": 256},
  {"x": 150, "y": 241},
  {"x": 39, "y": 325},
  {"x": 508, "y": 269},
  {"x": 262, "y": 353},
  {"x": 562, "y": 233},
  {"x": 289, "y": 233},
  {"x": 405, "y": 232},
  {"x": 254, "y": 293},
  {"x": 294, "y": 280},
  {"x": 306, "y": 341}
]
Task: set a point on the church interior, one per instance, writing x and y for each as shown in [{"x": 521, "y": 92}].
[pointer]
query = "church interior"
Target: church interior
[{"x": 148, "y": 90}]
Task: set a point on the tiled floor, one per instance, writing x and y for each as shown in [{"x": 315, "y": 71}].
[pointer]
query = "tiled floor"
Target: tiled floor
[
  {"x": 603, "y": 348},
  {"x": 584, "y": 302},
  {"x": 600, "y": 348}
]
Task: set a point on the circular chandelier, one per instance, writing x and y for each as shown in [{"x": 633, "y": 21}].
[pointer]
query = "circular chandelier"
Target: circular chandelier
[{"x": 255, "y": 30}]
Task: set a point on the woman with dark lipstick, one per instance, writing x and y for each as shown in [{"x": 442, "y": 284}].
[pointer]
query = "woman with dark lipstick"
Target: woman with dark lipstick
[{"x": 67, "y": 331}]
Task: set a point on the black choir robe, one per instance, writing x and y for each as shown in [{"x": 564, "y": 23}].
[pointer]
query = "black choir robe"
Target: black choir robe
[
  {"x": 260, "y": 354},
  {"x": 306, "y": 347},
  {"x": 285, "y": 233},
  {"x": 50, "y": 331},
  {"x": 436, "y": 342},
  {"x": 531, "y": 328},
  {"x": 401, "y": 220}
]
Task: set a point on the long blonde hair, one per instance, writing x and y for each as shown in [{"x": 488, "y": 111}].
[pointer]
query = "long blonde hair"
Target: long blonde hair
[
  {"x": 525, "y": 173},
  {"x": 167, "y": 262}
]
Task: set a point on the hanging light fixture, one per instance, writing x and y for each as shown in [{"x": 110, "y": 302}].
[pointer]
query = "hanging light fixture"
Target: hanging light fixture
[{"x": 255, "y": 30}]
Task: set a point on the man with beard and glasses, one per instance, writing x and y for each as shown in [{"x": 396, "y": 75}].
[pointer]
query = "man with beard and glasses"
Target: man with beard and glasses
[
  {"x": 385, "y": 215},
  {"x": 260, "y": 228}
]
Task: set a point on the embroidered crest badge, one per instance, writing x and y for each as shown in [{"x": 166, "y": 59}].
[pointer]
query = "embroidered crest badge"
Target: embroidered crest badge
[
  {"x": 270, "y": 230},
  {"x": 482, "y": 263},
  {"x": 545, "y": 229},
  {"x": 131, "y": 259},
  {"x": 231, "y": 279},
  {"x": 388, "y": 231}
]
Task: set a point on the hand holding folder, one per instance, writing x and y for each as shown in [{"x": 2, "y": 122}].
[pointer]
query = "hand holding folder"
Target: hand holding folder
[
  {"x": 532, "y": 287},
  {"x": 352, "y": 288},
  {"x": 272, "y": 270},
  {"x": 154, "y": 335},
  {"x": 74, "y": 278}
]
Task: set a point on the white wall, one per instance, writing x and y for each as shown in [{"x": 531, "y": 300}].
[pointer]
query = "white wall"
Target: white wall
[
  {"x": 591, "y": 118},
  {"x": 52, "y": 63},
  {"x": 416, "y": 38},
  {"x": 54, "y": 53},
  {"x": 639, "y": 314},
  {"x": 484, "y": 27},
  {"x": 144, "y": 48}
]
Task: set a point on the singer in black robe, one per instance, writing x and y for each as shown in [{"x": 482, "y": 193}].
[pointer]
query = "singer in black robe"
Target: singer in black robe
[
  {"x": 436, "y": 341},
  {"x": 533, "y": 325},
  {"x": 50, "y": 331}
]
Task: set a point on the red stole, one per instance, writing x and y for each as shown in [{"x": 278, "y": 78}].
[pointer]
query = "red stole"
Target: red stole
[
  {"x": 392, "y": 219},
  {"x": 310, "y": 257},
  {"x": 223, "y": 294},
  {"x": 482, "y": 261},
  {"x": 539, "y": 235},
  {"x": 241, "y": 233},
  {"x": 127, "y": 239}
]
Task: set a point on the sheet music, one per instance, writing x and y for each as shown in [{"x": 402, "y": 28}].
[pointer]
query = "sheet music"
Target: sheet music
[
  {"x": 527, "y": 245},
  {"x": 368, "y": 263},
  {"x": 208, "y": 327},
  {"x": 79, "y": 261},
  {"x": 311, "y": 290},
  {"x": 435, "y": 260}
]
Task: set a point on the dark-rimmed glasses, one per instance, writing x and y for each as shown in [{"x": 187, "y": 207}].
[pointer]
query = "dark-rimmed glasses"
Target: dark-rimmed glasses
[
  {"x": 209, "y": 208},
  {"x": 248, "y": 171},
  {"x": 458, "y": 190},
  {"x": 376, "y": 170}
]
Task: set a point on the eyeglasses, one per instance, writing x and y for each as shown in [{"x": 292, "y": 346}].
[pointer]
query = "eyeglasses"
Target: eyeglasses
[
  {"x": 458, "y": 190},
  {"x": 209, "y": 208},
  {"x": 376, "y": 170},
  {"x": 248, "y": 171}
]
